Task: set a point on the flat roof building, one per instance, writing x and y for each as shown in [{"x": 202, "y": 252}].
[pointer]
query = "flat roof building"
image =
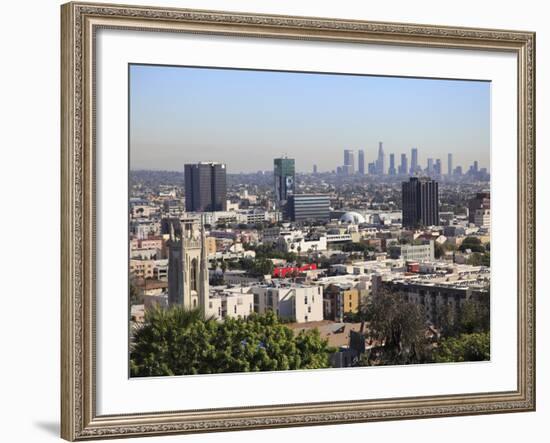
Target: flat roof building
[
  {"x": 308, "y": 207},
  {"x": 205, "y": 187}
]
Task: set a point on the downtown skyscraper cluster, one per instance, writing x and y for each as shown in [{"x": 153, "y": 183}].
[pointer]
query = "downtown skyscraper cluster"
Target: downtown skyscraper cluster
[{"x": 379, "y": 167}]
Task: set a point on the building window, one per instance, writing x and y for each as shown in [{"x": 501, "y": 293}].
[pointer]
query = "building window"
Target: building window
[
  {"x": 235, "y": 309},
  {"x": 193, "y": 279},
  {"x": 305, "y": 300}
]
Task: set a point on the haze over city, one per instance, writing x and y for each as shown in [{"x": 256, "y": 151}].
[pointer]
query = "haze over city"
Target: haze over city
[
  {"x": 246, "y": 118},
  {"x": 248, "y": 253}
]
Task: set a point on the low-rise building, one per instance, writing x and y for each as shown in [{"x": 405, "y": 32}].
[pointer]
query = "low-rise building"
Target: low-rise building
[
  {"x": 482, "y": 218},
  {"x": 240, "y": 277},
  {"x": 160, "y": 270},
  {"x": 230, "y": 303},
  {"x": 143, "y": 229},
  {"x": 142, "y": 268},
  {"x": 424, "y": 252},
  {"x": 158, "y": 300},
  {"x": 433, "y": 296},
  {"x": 254, "y": 216},
  {"x": 294, "y": 302},
  {"x": 339, "y": 300},
  {"x": 302, "y": 244},
  {"x": 443, "y": 284}
]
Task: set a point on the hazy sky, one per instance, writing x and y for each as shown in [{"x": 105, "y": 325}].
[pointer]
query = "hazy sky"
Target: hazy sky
[{"x": 246, "y": 118}]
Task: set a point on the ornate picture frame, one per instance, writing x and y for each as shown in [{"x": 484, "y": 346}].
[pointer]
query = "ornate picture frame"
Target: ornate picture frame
[{"x": 80, "y": 22}]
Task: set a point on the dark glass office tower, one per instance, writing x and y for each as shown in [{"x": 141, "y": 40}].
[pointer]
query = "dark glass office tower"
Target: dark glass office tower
[
  {"x": 205, "y": 187},
  {"x": 284, "y": 172},
  {"x": 420, "y": 198}
]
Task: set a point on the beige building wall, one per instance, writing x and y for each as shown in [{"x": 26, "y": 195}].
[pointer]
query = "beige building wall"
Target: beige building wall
[
  {"x": 142, "y": 268},
  {"x": 210, "y": 245},
  {"x": 352, "y": 301}
]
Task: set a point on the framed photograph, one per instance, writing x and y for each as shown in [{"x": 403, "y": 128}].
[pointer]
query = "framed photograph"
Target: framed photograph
[{"x": 277, "y": 221}]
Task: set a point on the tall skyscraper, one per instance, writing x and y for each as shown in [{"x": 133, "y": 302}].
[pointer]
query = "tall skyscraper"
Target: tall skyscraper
[
  {"x": 349, "y": 162},
  {"x": 284, "y": 173},
  {"x": 361, "y": 161},
  {"x": 430, "y": 167},
  {"x": 449, "y": 164},
  {"x": 205, "y": 187},
  {"x": 315, "y": 169},
  {"x": 420, "y": 202},
  {"x": 381, "y": 161},
  {"x": 437, "y": 167},
  {"x": 404, "y": 167},
  {"x": 391, "y": 170},
  {"x": 414, "y": 161}
]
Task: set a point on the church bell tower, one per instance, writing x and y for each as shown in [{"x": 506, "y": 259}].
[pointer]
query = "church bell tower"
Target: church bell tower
[{"x": 188, "y": 265}]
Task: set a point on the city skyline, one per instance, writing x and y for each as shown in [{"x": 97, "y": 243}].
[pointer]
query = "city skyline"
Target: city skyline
[
  {"x": 172, "y": 124},
  {"x": 360, "y": 169}
]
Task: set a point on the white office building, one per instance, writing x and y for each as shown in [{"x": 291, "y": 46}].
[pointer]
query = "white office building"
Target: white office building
[
  {"x": 230, "y": 302},
  {"x": 293, "y": 302}
]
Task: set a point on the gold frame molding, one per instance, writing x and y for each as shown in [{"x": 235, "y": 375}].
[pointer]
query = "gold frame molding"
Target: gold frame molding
[{"x": 79, "y": 22}]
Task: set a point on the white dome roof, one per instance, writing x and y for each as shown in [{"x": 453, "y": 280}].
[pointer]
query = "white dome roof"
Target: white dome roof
[{"x": 352, "y": 217}]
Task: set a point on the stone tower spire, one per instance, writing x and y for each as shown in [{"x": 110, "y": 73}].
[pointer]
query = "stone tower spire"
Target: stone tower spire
[
  {"x": 203, "y": 272},
  {"x": 172, "y": 235}
]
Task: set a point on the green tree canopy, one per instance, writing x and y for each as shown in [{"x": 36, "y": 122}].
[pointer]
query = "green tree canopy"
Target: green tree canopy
[
  {"x": 400, "y": 325},
  {"x": 268, "y": 251},
  {"x": 439, "y": 250},
  {"x": 472, "y": 243},
  {"x": 254, "y": 267},
  {"x": 466, "y": 347},
  {"x": 479, "y": 259},
  {"x": 176, "y": 341},
  {"x": 473, "y": 316},
  {"x": 356, "y": 247}
]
